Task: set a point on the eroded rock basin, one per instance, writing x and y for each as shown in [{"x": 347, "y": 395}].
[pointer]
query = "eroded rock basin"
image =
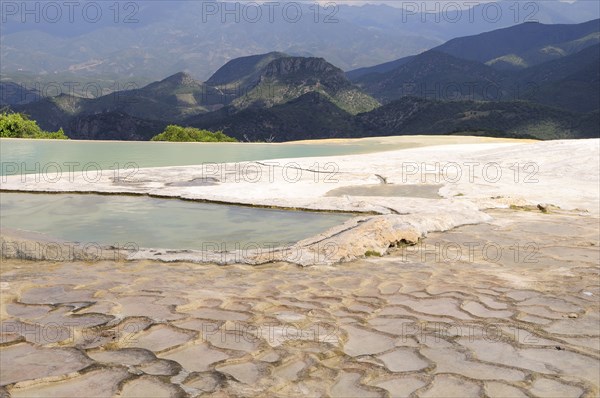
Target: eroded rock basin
[
  {"x": 507, "y": 308},
  {"x": 143, "y": 221}
]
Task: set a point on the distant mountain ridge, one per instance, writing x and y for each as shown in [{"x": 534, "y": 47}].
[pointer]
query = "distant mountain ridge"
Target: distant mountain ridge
[
  {"x": 437, "y": 75},
  {"x": 168, "y": 100},
  {"x": 459, "y": 70},
  {"x": 381, "y": 68},
  {"x": 515, "y": 47},
  {"x": 159, "y": 38},
  {"x": 276, "y": 97},
  {"x": 174, "y": 36},
  {"x": 524, "y": 45}
]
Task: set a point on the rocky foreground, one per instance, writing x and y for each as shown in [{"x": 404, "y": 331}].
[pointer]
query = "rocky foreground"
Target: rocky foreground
[{"x": 518, "y": 317}]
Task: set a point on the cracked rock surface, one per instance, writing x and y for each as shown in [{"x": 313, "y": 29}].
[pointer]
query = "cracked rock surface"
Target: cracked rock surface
[{"x": 427, "y": 320}]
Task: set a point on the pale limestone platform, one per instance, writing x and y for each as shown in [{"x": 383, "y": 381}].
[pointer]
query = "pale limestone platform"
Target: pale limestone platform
[{"x": 473, "y": 177}]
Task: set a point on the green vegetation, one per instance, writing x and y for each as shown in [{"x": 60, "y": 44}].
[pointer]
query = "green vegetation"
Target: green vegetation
[
  {"x": 175, "y": 133},
  {"x": 17, "y": 125},
  {"x": 372, "y": 253}
]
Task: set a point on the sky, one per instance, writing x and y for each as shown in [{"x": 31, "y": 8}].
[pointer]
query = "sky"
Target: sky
[{"x": 398, "y": 3}]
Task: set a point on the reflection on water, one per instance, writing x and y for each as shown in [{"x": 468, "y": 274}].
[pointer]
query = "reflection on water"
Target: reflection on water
[
  {"x": 111, "y": 155},
  {"x": 161, "y": 223}
]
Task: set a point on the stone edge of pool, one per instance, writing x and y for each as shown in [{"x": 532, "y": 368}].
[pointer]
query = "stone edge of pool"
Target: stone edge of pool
[{"x": 356, "y": 238}]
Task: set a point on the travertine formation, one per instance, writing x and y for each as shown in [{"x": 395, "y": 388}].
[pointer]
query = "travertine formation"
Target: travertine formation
[
  {"x": 504, "y": 303},
  {"x": 506, "y": 309},
  {"x": 489, "y": 174},
  {"x": 469, "y": 177}
]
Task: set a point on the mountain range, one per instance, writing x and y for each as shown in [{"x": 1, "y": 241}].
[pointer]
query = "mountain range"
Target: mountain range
[
  {"x": 517, "y": 47},
  {"x": 313, "y": 116},
  {"x": 528, "y": 80},
  {"x": 146, "y": 41},
  {"x": 249, "y": 83},
  {"x": 524, "y": 62}
]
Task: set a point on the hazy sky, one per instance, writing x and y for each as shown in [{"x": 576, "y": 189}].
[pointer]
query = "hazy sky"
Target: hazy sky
[{"x": 398, "y": 3}]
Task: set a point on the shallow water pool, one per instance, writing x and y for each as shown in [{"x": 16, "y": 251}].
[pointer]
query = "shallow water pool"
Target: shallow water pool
[
  {"x": 160, "y": 223},
  {"x": 31, "y": 156}
]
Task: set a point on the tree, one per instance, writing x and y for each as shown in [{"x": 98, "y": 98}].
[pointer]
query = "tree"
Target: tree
[
  {"x": 174, "y": 133},
  {"x": 17, "y": 125}
]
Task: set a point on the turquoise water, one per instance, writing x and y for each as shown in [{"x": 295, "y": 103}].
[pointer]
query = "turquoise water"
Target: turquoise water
[
  {"x": 151, "y": 222},
  {"x": 160, "y": 223},
  {"x": 27, "y": 156}
]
